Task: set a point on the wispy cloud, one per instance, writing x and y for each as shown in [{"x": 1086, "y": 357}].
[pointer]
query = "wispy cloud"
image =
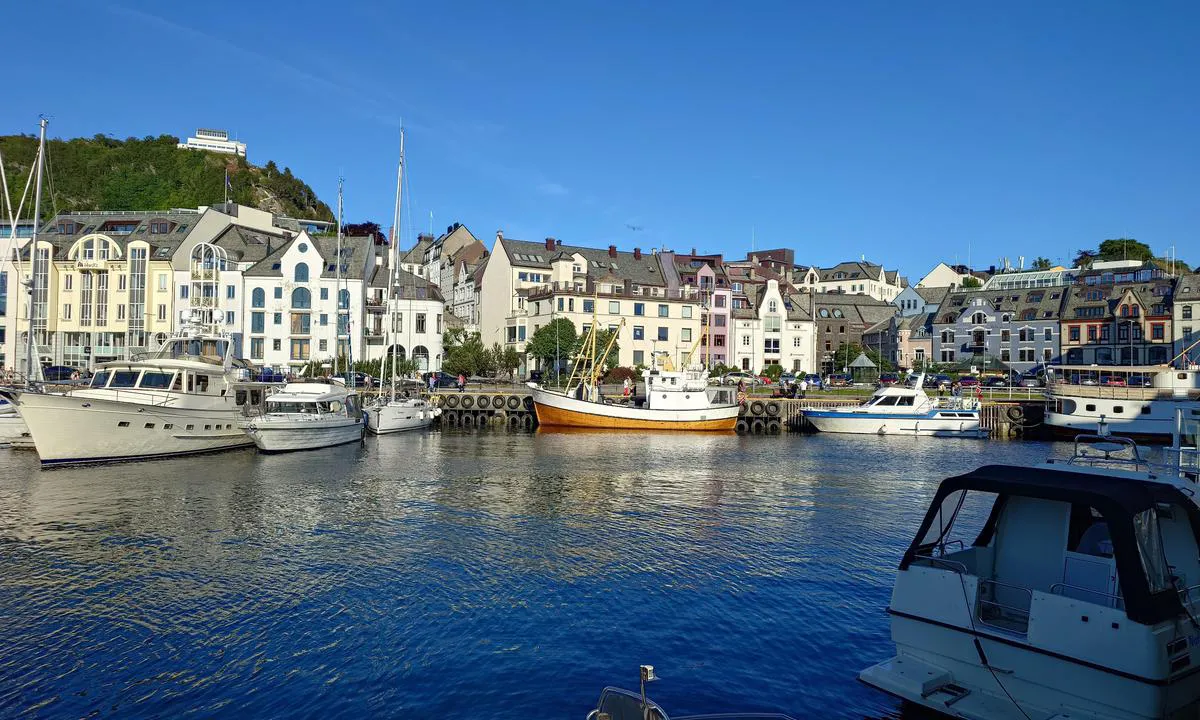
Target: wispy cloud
[{"x": 553, "y": 189}]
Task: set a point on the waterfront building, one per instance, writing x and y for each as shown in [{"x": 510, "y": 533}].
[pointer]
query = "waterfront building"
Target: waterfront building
[
  {"x": 904, "y": 340},
  {"x": 214, "y": 141},
  {"x": 441, "y": 253},
  {"x": 527, "y": 285},
  {"x": 999, "y": 330},
  {"x": 841, "y": 319},
  {"x": 707, "y": 274},
  {"x": 11, "y": 244},
  {"x": 418, "y": 317},
  {"x": 1186, "y": 316},
  {"x": 465, "y": 293},
  {"x": 103, "y": 285},
  {"x": 1118, "y": 313},
  {"x": 774, "y": 330},
  {"x": 413, "y": 260},
  {"x": 917, "y": 300}
]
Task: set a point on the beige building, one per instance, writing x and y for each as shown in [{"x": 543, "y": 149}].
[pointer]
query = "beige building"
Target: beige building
[
  {"x": 853, "y": 278},
  {"x": 1187, "y": 317}
]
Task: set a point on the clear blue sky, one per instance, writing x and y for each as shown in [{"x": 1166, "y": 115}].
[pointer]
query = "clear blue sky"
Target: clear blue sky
[{"x": 907, "y": 132}]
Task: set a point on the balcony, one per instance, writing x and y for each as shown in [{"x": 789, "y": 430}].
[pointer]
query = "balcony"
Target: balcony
[{"x": 376, "y": 305}]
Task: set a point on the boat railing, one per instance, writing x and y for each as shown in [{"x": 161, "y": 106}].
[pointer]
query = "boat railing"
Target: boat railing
[
  {"x": 1189, "y": 593},
  {"x": 1102, "y": 450},
  {"x": 1003, "y": 605},
  {"x": 1108, "y": 599}
]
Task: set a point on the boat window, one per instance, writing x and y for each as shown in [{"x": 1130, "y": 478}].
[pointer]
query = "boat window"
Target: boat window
[
  {"x": 905, "y": 400},
  {"x": 178, "y": 384},
  {"x": 1118, "y": 408},
  {"x": 239, "y": 397},
  {"x": 256, "y": 397},
  {"x": 201, "y": 383},
  {"x": 1150, "y": 548},
  {"x": 100, "y": 379},
  {"x": 1088, "y": 532},
  {"x": 124, "y": 379},
  {"x": 887, "y": 400},
  {"x": 333, "y": 406},
  {"x": 1089, "y": 407},
  {"x": 155, "y": 380},
  {"x": 306, "y": 408}
]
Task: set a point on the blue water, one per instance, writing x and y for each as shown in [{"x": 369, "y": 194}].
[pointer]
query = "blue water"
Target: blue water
[{"x": 485, "y": 575}]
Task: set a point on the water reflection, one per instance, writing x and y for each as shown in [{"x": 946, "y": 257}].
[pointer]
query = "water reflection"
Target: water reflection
[{"x": 459, "y": 571}]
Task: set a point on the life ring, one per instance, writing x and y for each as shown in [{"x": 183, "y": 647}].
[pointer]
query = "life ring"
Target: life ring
[
  {"x": 467, "y": 401},
  {"x": 757, "y": 407},
  {"x": 513, "y": 402},
  {"x": 451, "y": 401},
  {"x": 742, "y": 427},
  {"x": 757, "y": 426},
  {"x": 773, "y": 407},
  {"x": 773, "y": 427}
]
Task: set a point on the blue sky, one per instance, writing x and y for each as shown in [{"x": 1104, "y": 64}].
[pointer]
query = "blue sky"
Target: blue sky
[{"x": 908, "y": 133}]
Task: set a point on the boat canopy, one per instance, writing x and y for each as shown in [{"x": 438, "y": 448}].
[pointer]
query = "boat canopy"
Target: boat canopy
[{"x": 1128, "y": 505}]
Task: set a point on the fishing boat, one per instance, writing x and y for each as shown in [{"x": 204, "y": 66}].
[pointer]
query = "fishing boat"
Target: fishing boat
[
  {"x": 387, "y": 413},
  {"x": 1137, "y": 402},
  {"x": 307, "y": 416},
  {"x": 899, "y": 410},
  {"x": 619, "y": 704},
  {"x": 674, "y": 399},
  {"x": 1065, "y": 590}
]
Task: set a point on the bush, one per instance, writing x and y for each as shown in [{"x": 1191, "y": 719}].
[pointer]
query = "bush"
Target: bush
[
  {"x": 620, "y": 375},
  {"x": 773, "y": 371}
]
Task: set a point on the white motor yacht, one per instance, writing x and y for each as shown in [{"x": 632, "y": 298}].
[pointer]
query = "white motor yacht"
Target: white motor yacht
[
  {"x": 307, "y": 416},
  {"x": 1066, "y": 590},
  {"x": 899, "y": 410},
  {"x": 398, "y": 415},
  {"x": 179, "y": 400}
]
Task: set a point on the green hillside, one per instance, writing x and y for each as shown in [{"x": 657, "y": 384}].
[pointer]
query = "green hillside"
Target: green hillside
[{"x": 102, "y": 173}]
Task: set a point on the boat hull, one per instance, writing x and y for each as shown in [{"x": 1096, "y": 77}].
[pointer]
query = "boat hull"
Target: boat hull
[
  {"x": 554, "y": 410},
  {"x": 386, "y": 419},
  {"x": 277, "y": 436},
  {"x": 1150, "y": 421},
  {"x": 70, "y": 430},
  {"x": 942, "y": 423}
]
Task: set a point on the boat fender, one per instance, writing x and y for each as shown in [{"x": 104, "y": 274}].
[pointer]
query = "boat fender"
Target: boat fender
[
  {"x": 468, "y": 420},
  {"x": 773, "y": 408},
  {"x": 742, "y": 427},
  {"x": 452, "y": 401},
  {"x": 773, "y": 427},
  {"x": 1015, "y": 413},
  {"x": 514, "y": 422},
  {"x": 514, "y": 402},
  {"x": 528, "y": 422},
  {"x": 756, "y": 407},
  {"x": 757, "y": 426},
  {"x": 467, "y": 401}
]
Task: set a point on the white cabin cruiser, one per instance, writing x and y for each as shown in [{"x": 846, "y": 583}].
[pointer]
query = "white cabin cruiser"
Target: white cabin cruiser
[
  {"x": 180, "y": 400},
  {"x": 307, "y": 416},
  {"x": 399, "y": 414},
  {"x": 1076, "y": 598},
  {"x": 1137, "y": 402},
  {"x": 899, "y": 410}
]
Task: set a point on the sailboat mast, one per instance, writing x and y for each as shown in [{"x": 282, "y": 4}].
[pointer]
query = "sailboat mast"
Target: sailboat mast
[
  {"x": 393, "y": 260},
  {"x": 30, "y": 373},
  {"x": 337, "y": 288}
]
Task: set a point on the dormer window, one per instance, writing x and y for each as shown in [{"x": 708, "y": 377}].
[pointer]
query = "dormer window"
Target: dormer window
[
  {"x": 159, "y": 227},
  {"x": 67, "y": 227}
]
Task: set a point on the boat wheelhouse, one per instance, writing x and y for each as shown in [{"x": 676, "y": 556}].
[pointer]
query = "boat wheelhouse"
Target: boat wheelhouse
[
  {"x": 1137, "y": 401},
  {"x": 1076, "y": 596}
]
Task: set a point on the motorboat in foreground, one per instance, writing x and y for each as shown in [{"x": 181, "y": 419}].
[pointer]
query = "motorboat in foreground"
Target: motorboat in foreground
[
  {"x": 399, "y": 414},
  {"x": 898, "y": 410},
  {"x": 307, "y": 416},
  {"x": 619, "y": 704},
  {"x": 1076, "y": 598}
]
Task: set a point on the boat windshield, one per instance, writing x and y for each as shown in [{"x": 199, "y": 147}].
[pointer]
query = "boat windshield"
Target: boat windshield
[
  {"x": 305, "y": 408},
  {"x": 209, "y": 350},
  {"x": 100, "y": 379},
  {"x": 886, "y": 400}
]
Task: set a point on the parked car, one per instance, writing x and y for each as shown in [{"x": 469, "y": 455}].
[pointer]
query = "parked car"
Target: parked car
[
  {"x": 62, "y": 373},
  {"x": 1088, "y": 379},
  {"x": 968, "y": 381},
  {"x": 995, "y": 381},
  {"x": 938, "y": 381},
  {"x": 446, "y": 380},
  {"x": 886, "y": 379},
  {"x": 738, "y": 376},
  {"x": 1030, "y": 381},
  {"x": 787, "y": 377},
  {"x": 835, "y": 381},
  {"x": 814, "y": 381},
  {"x": 765, "y": 379},
  {"x": 1138, "y": 381},
  {"x": 1112, "y": 381}
]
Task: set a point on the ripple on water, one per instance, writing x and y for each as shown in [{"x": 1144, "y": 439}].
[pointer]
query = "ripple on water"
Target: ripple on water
[{"x": 455, "y": 574}]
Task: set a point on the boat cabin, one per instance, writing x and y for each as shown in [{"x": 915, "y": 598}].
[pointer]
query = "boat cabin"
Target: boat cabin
[
  {"x": 1055, "y": 542},
  {"x": 313, "y": 399},
  {"x": 210, "y": 349},
  {"x": 154, "y": 379}
]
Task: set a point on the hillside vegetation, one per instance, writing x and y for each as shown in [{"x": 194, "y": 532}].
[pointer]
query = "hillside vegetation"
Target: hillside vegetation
[{"x": 103, "y": 173}]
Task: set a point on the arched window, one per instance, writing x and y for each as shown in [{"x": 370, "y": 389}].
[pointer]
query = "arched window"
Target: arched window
[
  {"x": 301, "y": 274},
  {"x": 301, "y": 298},
  {"x": 343, "y": 299},
  {"x": 258, "y": 298},
  {"x": 978, "y": 318},
  {"x": 421, "y": 357}
]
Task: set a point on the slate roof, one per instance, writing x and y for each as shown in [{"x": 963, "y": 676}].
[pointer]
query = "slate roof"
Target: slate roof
[
  {"x": 645, "y": 271},
  {"x": 1046, "y": 303},
  {"x": 854, "y": 308},
  {"x": 932, "y": 295},
  {"x": 411, "y": 286},
  {"x": 1077, "y": 296},
  {"x": 854, "y": 271},
  {"x": 355, "y": 251},
  {"x": 416, "y": 255},
  {"x": 1187, "y": 288},
  {"x": 162, "y": 246},
  {"x": 249, "y": 245}
]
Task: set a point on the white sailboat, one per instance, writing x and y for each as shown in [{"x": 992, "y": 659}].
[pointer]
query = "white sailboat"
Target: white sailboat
[{"x": 389, "y": 414}]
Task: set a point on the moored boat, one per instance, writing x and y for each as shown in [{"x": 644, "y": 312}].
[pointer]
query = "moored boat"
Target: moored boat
[
  {"x": 306, "y": 416},
  {"x": 1069, "y": 589},
  {"x": 619, "y": 704},
  {"x": 1137, "y": 402},
  {"x": 399, "y": 415},
  {"x": 899, "y": 410}
]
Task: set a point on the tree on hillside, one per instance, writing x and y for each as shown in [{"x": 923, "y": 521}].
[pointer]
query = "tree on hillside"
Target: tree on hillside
[
  {"x": 1125, "y": 249},
  {"x": 367, "y": 228},
  {"x": 1085, "y": 258},
  {"x": 553, "y": 344},
  {"x": 1042, "y": 263}
]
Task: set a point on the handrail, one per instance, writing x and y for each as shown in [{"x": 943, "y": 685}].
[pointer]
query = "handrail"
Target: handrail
[
  {"x": 1019, "y": 615},
  {"x": 1059, "y": 586}
]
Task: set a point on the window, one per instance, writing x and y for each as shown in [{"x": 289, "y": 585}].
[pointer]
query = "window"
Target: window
[
  {"x": 1156, "y": 331},
  {"x": 228, "y": 317},
  {"x": 663, "y": 334},
  {"x": 162, "y": 281},
  {"x": 1049, "y": 334},
  {"x": 1047, "y": 355},
  {"x": 420, "y": 322},
  {"x": 300, "y": 274},
  {"x": 66, "y": 313},
  {"x": 256, "y": 322},
  {"x": 301, "y": 324},
  {"x": 614, "y": 307},
  {"x": 1073, "y": 333},
  {"x": 1091, "y": 333},
  {"x": 278, "y": 319},
  {"x": 183, "y": 292},
  {"x": 230, "y": 292},
  {"x": 276, "y": 344},
  {"x": 639, "y": 308},
  {"x": 256, "y": 348},
  {"x": 664, "y": 310},
  {"x": 772, "y": 323},
  {"x": 67, "y": 282},
  {"x": 324, "y": 320},
  {"x": 324, "y": 293},
  {"x": 301, "y": 298},
  {"x": 639, "y": 357},
  {"x": 323, "y": 345},
  {"x": 258, "y": 298},
  {"x": 300, "y": 349},
  {"x": 685, "y": 335},
  {"x": 745, "y": 341},
  {"x": 560, "y": 304},
  {"x": 1005, "y": 355},
  {"x": 718, "y": 320},
  {"x": 1005, "y": 336},
  {"x": 947, "y": 356},
  {"x": 162, "y": 312},
  {"x": 343, "y": 299},
  {"x": 589, "y": 306},
  {"x": 639, "y": 332},
  {"x": 771, "y": 346},
  {"x": 120, "y": 312},
  {"x": 279, "y": 293},
  {"x": 686, "y": 311},
  {"x": 1186, "y": 313},
  {"x": 1028, "y": 355}
]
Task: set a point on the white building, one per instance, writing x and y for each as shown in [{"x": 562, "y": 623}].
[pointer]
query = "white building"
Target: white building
[
  {"x": 414, "y": 322},
  {"x": 774, "y": 330},
  {"x": 919, "y": 300},
  {"x": 943, "y": 276},
  {"x": 214, "y": 141},
  {"x": 853, "y": 278},
  {"x": 442, "y": 252}
]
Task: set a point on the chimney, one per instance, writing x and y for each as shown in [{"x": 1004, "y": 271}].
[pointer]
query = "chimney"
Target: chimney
[
  {"x": 549, "y": 243},
  {"x": 499, "y": 235},
  {"x": 693, "y": 251},
  {"x": 558, "y": 243},
  {"x": 637, "y": 253},
  {"x": 612, "y": 251}
]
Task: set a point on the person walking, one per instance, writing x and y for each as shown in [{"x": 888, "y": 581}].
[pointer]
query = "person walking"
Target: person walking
[
  {"x": 462, "y": 382},
  {"x": 432, "y": 383},
  {"x": 803, "y": 388},
  {"x": 628, "y": 387}
]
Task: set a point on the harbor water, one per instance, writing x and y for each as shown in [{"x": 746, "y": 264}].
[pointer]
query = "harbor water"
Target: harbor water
[{"x": 465, "y": 574}]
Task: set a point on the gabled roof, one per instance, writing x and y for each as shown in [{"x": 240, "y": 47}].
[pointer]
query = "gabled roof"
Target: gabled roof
[
  {"x": 1187, "y": 288},
  {"x": 1016, "y": 301},
  {"x": 932, "y": 295},
  {"x": 162, "y": 245},
  {"x": 643, "y": 271},
  {"x": 416, "y": 255}
]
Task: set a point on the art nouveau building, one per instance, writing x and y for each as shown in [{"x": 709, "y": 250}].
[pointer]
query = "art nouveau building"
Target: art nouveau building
[{"x": 774, "y": 330}]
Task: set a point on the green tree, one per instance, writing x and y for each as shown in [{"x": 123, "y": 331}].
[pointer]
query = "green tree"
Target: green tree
[
  {"x": 466, "y": 354},
  {"x": 505, "y": 360},
  {"x": 1085, "y": 258},
  {"x": 971, "y": 282},
  {"x": 614, "y": 354},
  {"x": 1042, "y": 263},
  {"x": 1125, "y": 249},
  {"x": 553, "y": 344},
  {"x": 773, "y": 371}
]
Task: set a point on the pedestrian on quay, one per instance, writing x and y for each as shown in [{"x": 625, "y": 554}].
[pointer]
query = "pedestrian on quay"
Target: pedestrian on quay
[
  {"x": 803, "y": 388},
  {"x": 462, "y": 382},
  {"x": 627, "y": 389},
  {"x": 432, "y": 383}
]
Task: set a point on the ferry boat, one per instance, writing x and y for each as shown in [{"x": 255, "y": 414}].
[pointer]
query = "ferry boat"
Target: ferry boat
[
  {"x": 179, "y": 400},
  {"x": 619, "y": 704},
  {"x": 1066, "y": 590},
  {"x": 307, "y": 416},
  {"x": 398, "y": 415},
  {"x": 1138, "y": 402},
  {"x": 899, "y": 410}
]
